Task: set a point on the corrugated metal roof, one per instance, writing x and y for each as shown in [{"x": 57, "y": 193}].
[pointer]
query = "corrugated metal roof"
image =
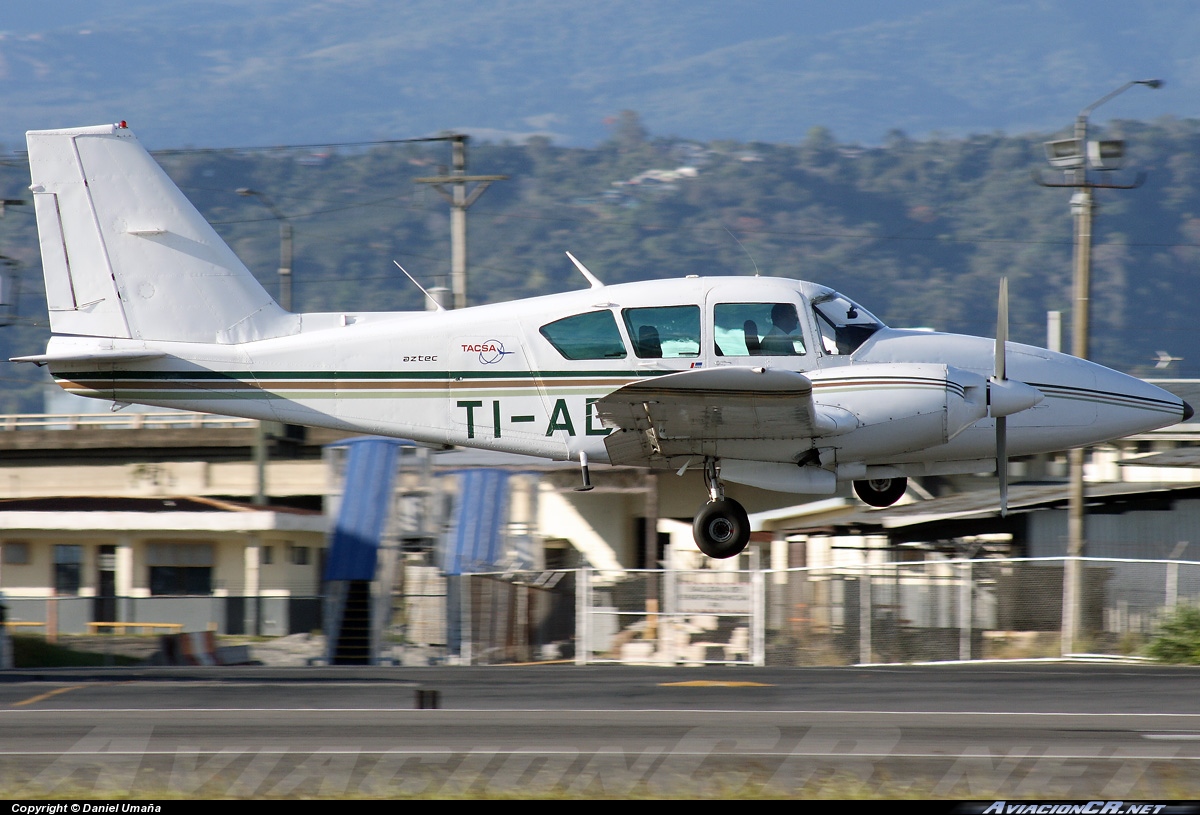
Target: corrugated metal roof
[{"x": 1022, "y": 498}]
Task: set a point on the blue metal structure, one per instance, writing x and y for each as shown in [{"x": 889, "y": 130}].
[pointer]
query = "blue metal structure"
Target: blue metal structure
[
  {"x": 476, "y": 540},
  {"x": 366, "y": 504}
]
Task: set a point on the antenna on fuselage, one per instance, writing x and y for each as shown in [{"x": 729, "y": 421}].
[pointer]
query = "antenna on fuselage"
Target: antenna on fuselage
[
  {"x": 436, "y": 305},
  {"x": 744, "y": 249},
  {"x": 591, "y": 278}
]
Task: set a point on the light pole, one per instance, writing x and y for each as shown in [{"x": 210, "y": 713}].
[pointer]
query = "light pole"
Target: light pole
[
  {"x": 261, "y": 436},
  {"x": 1074, "y": 156},
  {"x": 285, "y": 246}
]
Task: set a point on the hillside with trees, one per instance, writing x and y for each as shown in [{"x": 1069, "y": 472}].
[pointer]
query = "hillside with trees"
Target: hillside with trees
[{"x": 919, "y": 231}]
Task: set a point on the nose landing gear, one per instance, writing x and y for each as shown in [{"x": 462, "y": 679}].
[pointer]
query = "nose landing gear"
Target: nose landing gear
[{"x": 721, "y": 527}]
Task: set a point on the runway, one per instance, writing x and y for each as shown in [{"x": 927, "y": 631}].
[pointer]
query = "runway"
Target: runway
[{"x": 1050, "y": 730}]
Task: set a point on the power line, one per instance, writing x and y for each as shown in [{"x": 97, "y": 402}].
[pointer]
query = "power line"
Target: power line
[{"x": 21, "y": 156}]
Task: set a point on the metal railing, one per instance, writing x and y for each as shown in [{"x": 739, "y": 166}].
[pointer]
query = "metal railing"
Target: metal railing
[{"x": 166, "y": 420}]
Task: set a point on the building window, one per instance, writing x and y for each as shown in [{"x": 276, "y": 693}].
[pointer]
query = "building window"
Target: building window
[
  {"x": 180, "y": 568},
  {"x": 68, "y": 563},
  {"x": 16, "y": 553},
  {"x": 299, "y": 555},
  {"x": 266, "y": 555}
]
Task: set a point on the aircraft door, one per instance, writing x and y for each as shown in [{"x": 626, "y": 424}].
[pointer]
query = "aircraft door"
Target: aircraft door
[
  {"x": 497, "y": 394},
  {"x": 578, "y": 359}
]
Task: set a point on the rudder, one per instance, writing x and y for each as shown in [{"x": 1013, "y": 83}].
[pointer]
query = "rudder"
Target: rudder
[{"x": 126, "y": 255}]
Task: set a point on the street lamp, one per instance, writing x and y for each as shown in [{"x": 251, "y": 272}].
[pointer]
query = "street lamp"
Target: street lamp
[
  {"x": 285, "y": 246},
  {"x": 1074, "y": 156}
]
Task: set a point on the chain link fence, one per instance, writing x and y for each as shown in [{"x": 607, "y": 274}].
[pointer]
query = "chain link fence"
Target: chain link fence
[{"x": 921, "y": 611}]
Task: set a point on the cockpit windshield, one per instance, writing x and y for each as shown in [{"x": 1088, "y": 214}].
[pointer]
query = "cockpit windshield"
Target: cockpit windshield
[{"x": 844, "y": 324}]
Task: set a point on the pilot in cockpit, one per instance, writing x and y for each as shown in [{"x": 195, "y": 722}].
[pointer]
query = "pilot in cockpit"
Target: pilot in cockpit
[{"x": 781, "y": 339}]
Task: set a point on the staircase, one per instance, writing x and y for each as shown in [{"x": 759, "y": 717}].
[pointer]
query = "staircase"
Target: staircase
[{"x": 354, "y": 634}]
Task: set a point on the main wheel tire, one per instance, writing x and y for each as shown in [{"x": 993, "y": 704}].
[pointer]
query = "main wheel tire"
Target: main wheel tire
[
  {"x": 881, "y": 492},
  {"x": 721, "y": 528}
]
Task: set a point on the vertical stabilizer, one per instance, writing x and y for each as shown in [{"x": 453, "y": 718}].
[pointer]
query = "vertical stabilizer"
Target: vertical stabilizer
[{"x": 125, "y": 254}]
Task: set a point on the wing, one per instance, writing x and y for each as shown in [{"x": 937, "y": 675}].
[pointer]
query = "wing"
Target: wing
[{"x": 730, "y": 412}]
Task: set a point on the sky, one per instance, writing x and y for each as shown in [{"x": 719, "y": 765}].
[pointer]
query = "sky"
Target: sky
[{"x": 219, "y": 73}]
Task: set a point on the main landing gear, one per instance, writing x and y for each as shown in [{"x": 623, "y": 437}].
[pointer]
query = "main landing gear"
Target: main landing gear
[
  {"x": 881, "y": 492},
  {"x": 721, "y": 528}
]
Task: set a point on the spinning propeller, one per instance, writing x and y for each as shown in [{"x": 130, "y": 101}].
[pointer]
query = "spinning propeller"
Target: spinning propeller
[
  {"x": 1005, "y": 396},
  {"x": 1000, "y": 375}
]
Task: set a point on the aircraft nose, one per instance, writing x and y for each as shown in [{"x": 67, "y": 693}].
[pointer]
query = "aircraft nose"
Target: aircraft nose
[{"x": 1188, "y": 412}]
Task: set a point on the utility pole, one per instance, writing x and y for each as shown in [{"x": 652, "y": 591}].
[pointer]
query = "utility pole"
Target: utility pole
[
  {"x": 460, "y": 200},
  {"x": 285, "y": 245},
  {"x": 1073, "y": 156},
  {"x": 8, "y": 279}
]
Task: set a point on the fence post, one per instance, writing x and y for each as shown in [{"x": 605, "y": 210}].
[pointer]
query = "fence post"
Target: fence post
[
  {"x": 52, "y": 618},
  {"x": 668, "y": 611},
  {"x": 1172, "y": 592},
  {"x": 1071, "y": 589},
  {"x": 864, "y": 615},
  {"x": 965, "y": 610},
  {"x": 758, "y": 612},
  {"x": 583, "y": 634}
]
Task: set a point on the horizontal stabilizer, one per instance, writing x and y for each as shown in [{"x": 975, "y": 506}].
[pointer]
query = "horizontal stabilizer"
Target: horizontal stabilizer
[{"x": 62, "y": 358}]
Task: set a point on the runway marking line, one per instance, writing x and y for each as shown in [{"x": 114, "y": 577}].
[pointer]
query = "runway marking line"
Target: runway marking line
[
  {"x": 41, "y": 697},
  {"x": 713, "y": 683}
]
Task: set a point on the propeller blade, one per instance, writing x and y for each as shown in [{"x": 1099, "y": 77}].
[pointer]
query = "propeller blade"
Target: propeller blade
[
  {"x": 1000, "y": 375},
  {"x": 1001, "y": 330}
]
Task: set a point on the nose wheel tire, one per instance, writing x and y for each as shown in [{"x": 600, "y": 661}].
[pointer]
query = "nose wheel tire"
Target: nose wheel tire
[
  {"x": 881, "y": 492},
  {"x": 721, "y": 528}
]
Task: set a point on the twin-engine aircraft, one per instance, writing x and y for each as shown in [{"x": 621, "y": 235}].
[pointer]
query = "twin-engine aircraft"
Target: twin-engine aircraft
[{"x": 771, "y": 382}]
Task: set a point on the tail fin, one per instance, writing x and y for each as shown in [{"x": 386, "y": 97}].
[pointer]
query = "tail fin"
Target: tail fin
[{"x": 125, "y": 254}]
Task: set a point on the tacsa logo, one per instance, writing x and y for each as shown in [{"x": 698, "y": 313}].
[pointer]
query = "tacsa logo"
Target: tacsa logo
[{"x": 490, "y": 351}]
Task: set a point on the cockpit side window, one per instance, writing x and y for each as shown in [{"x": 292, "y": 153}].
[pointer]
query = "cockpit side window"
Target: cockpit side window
[
  {"x": 586, "y": 336},
  {"x": 664, "y": 332},
  {"x": 757, "y": 329},
  {"x": 844, "y": 324}
]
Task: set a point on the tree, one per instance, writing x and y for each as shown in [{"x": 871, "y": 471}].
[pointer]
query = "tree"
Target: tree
[{"x": 629, "y": 133}]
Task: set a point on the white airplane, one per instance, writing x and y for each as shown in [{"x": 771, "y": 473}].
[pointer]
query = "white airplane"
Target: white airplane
[
  {"x": 1163, "y": 359},
  {"x": 771, "y": 382}
]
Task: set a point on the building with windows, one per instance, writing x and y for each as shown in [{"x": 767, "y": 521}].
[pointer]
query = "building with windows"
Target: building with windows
[{"x": 76, "y": 561}]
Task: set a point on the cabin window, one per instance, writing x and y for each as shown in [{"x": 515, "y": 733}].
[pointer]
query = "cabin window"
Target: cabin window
[
  {"x": 665, "y": 332},
  {"x": 757, "y": 329},
  {"x": 586, "y": 336},
  {"x": 844, "y": 324}
]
